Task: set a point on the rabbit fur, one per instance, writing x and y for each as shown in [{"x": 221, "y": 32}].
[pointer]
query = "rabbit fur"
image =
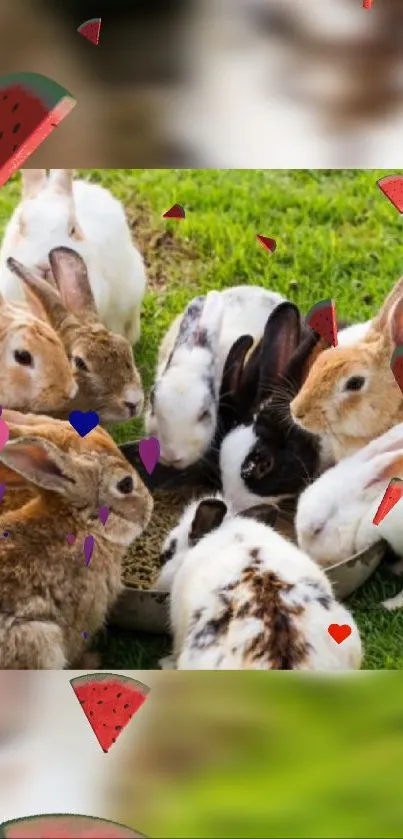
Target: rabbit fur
[
  {"x": 48, "y": 595},
  {"x": 107, "y": 378},
  {"x": 243, "y": 597},
  {"x": 184, "y": 399},
  {"x": 60, "y": 211}
]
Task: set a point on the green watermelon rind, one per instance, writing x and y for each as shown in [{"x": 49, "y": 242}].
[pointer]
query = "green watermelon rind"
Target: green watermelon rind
[
  {"x": 5, "y": 825},
  {"x": 88, "y": 678},
  {"x": 323, "y": 304},
  {"x": 82, "y": 29},
  {"x": 397, "y": 353},
  {"x": 45, "y": 89},
  {"x": 53, "y": 103}
]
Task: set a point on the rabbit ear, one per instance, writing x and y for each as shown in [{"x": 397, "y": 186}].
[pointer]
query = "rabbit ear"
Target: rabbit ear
[
  {"x": 391, "y": 441},
  {"x": 62, "y": 180},
  {"x": 280, "y": 340},
  {"x": 43, "y": 299},
  {"x": 190, "y": 318},
  {"x": 33, "y": 180},
  {"x": 234, "y": 366},
  {"x": 264, "y": 513},
  {"x": 208, "y": 516},
  {"x": 70, "y": 273},
  {"x": 39, "y": 462},
  {"x": 395, "y": 323},
  {"x": 383, "y": 468},
  {"x": 304, "y": 356},
  {"x": 380, "y": 320},
  {"x": 210, "y": 323}
]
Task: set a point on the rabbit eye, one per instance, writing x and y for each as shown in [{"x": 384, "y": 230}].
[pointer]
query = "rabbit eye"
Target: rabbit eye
[
  {"x": 80, "y": 363},
  {"x": 355, "y": 383},
  {"x": 125, "y": 486},
  {"x": 72, "y": 231},
  {"x": 24, "y": 358}
]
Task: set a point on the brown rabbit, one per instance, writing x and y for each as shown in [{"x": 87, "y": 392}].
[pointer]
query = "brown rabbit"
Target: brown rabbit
[
  {"x": 35, "y": 373},
  {"x": 49, "y": 597},
  {"x": 350, "y": 395},
  {"x": 108, "y": 380}
]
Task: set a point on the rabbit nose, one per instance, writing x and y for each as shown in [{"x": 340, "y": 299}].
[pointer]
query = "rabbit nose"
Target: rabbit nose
[{"x": 133, "y": 408}]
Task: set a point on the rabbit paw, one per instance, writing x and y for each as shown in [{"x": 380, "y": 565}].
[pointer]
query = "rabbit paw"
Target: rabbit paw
[
  {"x": 167, "y": 663},
  {"x": 394, "y": 602}
]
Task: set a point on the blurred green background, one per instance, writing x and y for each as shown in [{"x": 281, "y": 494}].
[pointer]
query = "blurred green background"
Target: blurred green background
[
  {"x": 267, "y": 755},
  {"x": 337, "y": 236}
]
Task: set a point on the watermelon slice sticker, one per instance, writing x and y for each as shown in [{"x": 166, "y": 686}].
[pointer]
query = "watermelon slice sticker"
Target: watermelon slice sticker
[
  {"x": 175, "y": 212},
  {"x": 31, "y": 107},
  {"x": 90, "y": 29},
  {"x": 322, "y": 318},
  {"x": 68, "y": 826},
  {"x": 109, "y": 701},
  {"x": 269, "y": 244},
  {"x": 397, "y": 365},
  {"x": 393, "y": 494},
  {"x": 392, "y": 187}
]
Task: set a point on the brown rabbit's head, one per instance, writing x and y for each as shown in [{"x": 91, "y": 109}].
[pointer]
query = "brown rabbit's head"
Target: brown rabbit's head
[
  {"x": 85, "y": 474},
  {"x": 35, "y": 373},
  {"x": 350, "y": 393},
  {"x": 108, "y": 380}
]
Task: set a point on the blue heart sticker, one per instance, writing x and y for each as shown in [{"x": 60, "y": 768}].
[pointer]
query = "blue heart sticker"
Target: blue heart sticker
[{"x": 83, "y": 421}]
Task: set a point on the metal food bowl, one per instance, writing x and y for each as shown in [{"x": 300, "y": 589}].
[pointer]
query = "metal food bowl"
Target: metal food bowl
[{"x": 147, "y": 610}]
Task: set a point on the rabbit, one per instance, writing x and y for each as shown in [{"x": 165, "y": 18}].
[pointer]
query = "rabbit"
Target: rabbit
[
  {"x": 334, "y": 518},
  {"x": 183, "y": 402},
  {"x": 108, "y": 380},
  {"x": 49, "y": 597},
  {"x": 35, "y": 373},
  {"x": 350, "y": 396},
  {"x": 244, "y": 597},
  {"x": 59, "y": 211},
  {"x": 270, "y": 457}
]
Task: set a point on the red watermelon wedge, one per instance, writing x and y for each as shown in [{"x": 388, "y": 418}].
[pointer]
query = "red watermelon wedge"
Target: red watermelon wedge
[
  {"x": 109, "y": 701},
  {"x": 392, "y": 187},
  {"x": 69, "y": 826},
  {"x": 322, "y": 318},
  {"x": 31, "y": 106},
  {"x": 393, "y": 494},
  {"x": 90, "y": 29},
  {"x": 397, "y": 365},
  {"x": 175, "y": 212},
  {"x": 269, "y": 244}
]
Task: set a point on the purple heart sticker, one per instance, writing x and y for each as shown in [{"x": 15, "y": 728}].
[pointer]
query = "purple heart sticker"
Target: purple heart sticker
[
  {"x": 88, "y": 549},
  {"x": 103, "y": 513},
  {"x": 71, "y": 538},
  {"x": 2, "y": 491},
  {"x": 85, "y": 634},
  {"x": 149, "y": 451}
]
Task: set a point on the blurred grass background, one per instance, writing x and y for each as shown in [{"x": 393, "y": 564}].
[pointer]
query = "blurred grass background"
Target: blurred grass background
[
  {"x": 267, "y": 755},
  {"x": 337, "y": 236}
]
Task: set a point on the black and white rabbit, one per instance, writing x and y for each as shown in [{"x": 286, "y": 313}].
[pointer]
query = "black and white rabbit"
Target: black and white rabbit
[
  {"x": 242, "y": 597},
  {"x": 270, "y": 458}
]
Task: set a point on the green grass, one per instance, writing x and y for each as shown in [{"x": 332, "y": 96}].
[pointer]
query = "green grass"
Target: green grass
[{"x": 337, "y": 236}]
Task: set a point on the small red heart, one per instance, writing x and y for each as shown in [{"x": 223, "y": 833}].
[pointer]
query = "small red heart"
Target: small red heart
[{"x": 339, "y": 632}]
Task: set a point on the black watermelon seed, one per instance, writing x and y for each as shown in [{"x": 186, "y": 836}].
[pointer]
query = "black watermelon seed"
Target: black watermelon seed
[
  {"x": 126, "y": 706},
  {"x": 15, "y": 147},
  {"x": 14, "y": 108},
  {"x": 118, "y": 727},
  {"x": 100, "y": 702},
  {"x": 118, "y": 695},
  {"x": 17, "y": 127},
  {"x": 5, "y": 96}
]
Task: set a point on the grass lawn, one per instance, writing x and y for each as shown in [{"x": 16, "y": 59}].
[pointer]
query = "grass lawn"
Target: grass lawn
[{"x": 337, "y": 236}]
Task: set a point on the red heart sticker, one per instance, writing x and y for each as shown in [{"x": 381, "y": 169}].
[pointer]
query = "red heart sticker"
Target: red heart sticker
[{"x": 339, "y": 632}]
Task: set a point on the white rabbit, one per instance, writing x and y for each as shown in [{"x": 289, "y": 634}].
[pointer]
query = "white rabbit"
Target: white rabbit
[
  {"x": 245, "y": 598},
  {"x": 335, "y": 514},
  {"x": 59, "y": 211},
  {"x": 184, "y": 400}
]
